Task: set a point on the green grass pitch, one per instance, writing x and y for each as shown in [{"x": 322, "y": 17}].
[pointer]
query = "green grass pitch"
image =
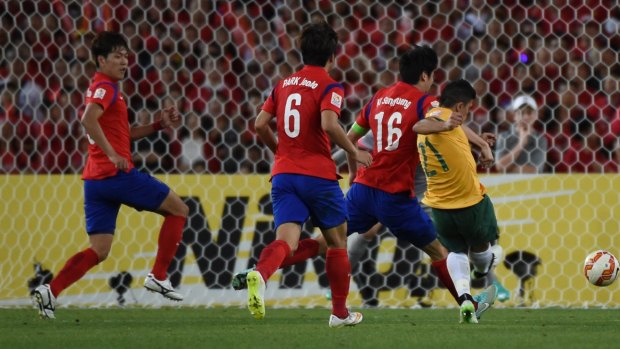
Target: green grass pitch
[{"x": 307, "y": 328}]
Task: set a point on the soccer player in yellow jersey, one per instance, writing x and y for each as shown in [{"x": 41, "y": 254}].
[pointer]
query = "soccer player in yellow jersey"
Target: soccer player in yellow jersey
[{"x": 462, "y": 212}]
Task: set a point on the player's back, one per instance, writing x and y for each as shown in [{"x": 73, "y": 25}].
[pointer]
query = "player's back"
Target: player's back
[
  {"x": 297, "y": 102},
  {"x": 391, "y": 114},
  {"x": 452, "y": 180}
]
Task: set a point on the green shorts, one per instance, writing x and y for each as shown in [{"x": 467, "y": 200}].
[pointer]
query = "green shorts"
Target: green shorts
[{"x": 458, "y": 229}]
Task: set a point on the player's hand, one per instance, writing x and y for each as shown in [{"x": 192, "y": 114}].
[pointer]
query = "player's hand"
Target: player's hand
[
  {"x": 489, "y": 138},
  {"x": 363, "y": 157},
  {"x": 486, "y": 157},
  {"x": 120, "y": 162},
  {"x": 455, "y": 120},
  {"x": 170, "y": 117}
]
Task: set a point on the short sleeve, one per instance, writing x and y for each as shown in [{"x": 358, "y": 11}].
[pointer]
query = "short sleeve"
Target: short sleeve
[
  {"x": 103, "y": 94},
  {"x": 362, "y": 118},
  {"x": 270, "y": 104},
  {"x": 333, "y": 98},
  {"x": 428, "y": 103}
]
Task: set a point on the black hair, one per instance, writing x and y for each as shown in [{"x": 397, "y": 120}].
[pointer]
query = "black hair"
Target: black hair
[
  {"x": 318, "y": 43},
  {"x": 420, "y": 59},
  {"x": 457, "y": 91},
  {"x": 107, "y": 42}
]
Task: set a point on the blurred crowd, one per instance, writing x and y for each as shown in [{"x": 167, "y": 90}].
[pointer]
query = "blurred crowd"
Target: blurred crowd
[{"x": 218, "y": 60}]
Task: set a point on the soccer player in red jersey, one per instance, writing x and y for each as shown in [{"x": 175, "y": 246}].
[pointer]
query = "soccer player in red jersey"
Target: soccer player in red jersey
[
  {"x": 110, "y": 179},
  {"x": 307, "y": 106},
  {"x": 384, "y": 191}
]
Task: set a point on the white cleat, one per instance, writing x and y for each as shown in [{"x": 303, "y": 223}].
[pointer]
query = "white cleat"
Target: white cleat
[
  {"x": 256, "y": 294},
  {"x": 162, "y": 287},
  {"x": 45, "y": 300},
  {"x": 353, "y": 319}
]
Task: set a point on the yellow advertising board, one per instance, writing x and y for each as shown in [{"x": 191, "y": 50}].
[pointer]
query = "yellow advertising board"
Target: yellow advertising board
[{"x": 549, "y": 223}]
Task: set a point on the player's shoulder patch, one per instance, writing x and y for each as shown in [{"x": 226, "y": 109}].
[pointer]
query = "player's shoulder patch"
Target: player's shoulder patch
[
  {"x": 99, "y": 93},
  {"x": 336, "y": 99}
]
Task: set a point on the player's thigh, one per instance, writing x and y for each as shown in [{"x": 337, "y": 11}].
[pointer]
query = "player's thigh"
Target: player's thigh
[
  {"x": 173, "y": 205},
  {"x": 288, "y": 207},
  {"x": 448, "y": 230},
  {"x": 139, "y": 190},
  {"x": 480, "y": 224},
  {"x": 99, "y": 210},
  {"x": 406, "y": 219},
  {"x": 324, "y": 199},
  {"x": 360, "y": 202}
]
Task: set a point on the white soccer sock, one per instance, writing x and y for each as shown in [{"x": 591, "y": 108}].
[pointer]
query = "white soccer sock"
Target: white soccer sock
[
  {"x": 481, "y": 260},
  {"x": 458, "y": 267},
  {"x": 357, "y": 246}
]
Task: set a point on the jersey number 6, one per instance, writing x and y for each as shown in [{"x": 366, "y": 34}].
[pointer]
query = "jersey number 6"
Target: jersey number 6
[{"x": 290, "y": 113}]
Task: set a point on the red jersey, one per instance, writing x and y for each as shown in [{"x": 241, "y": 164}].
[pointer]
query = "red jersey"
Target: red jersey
[
  {"x": 115, "y": 125},
  {"x": 297, "y": 102},
  {"x": 391, "y": 114}
]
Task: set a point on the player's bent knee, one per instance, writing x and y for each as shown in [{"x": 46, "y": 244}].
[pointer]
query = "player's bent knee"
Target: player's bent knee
[{"x": 435, "y": 250}]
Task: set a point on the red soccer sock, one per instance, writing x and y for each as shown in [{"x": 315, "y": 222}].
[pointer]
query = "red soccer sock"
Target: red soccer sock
[
  {"x": 339, "y": 275},
  {"x": 170, "y": 235},
  {"x": 442, "y": 273},
  {"x": 271, "y": 258},
  {"x": 73, "y": 270},
  {"x": 306, "y": 249}
]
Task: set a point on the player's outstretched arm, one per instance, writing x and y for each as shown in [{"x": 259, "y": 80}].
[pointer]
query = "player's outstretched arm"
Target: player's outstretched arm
[
  {"x": 355, "y": 133},
  {"x": 483, "y": 143},
  {"x": 434, "y": 125},
  {"x": 329, "y": 123},
  {"x": 90, "y": 121},
  {"x": 169, "y": 118},
  {"x": 264, "y": 130}
]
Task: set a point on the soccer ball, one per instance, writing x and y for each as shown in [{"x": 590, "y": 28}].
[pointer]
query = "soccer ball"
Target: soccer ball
[{"x": 601, "y": 268}]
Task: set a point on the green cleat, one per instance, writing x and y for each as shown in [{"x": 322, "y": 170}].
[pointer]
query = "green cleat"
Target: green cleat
[
  {"x": 485, "y": 300},
  {"x": 256, "y": 295},
  {"x": 467, "y": 313},
  {"x": 240, "y": 280}
]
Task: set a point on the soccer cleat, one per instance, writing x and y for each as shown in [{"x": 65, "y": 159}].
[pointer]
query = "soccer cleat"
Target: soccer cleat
[
  {"x": 353, "y": 319},
  {"x": 467, "y": 313},
  {"x": 502, "y": 293},
  {"x": 240, "y": 279},
  {"x": 162, "y": 287},
  {"x": 46, "y": 301},
  {"x": 256, "y": 294},
  {"x": 485, "y": 300}
]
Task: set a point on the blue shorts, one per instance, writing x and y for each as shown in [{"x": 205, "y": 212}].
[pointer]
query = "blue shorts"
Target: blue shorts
[
  {"x": 400, "y": 213},
  {"x": 103, "y": 198},
  {"x": 296, "y": 197}
]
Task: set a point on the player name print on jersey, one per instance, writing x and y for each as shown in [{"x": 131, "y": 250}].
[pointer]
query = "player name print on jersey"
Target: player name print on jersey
[
  {"x": 295, "y": 81},
  {"x": 405, "y": 103}
]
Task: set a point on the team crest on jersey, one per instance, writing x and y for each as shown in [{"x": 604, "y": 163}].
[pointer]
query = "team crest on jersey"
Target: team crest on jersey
[
  {"x": 435, "y": 104},
  {"x": 99, "y": 93},
  {"x": 336, "y": 99}
]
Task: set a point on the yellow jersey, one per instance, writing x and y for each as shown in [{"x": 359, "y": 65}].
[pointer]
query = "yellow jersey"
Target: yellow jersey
[{"x": 451, "y": 177}]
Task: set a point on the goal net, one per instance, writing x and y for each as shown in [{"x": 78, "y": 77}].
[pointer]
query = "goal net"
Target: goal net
[{"x": 556, "y": 201}]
